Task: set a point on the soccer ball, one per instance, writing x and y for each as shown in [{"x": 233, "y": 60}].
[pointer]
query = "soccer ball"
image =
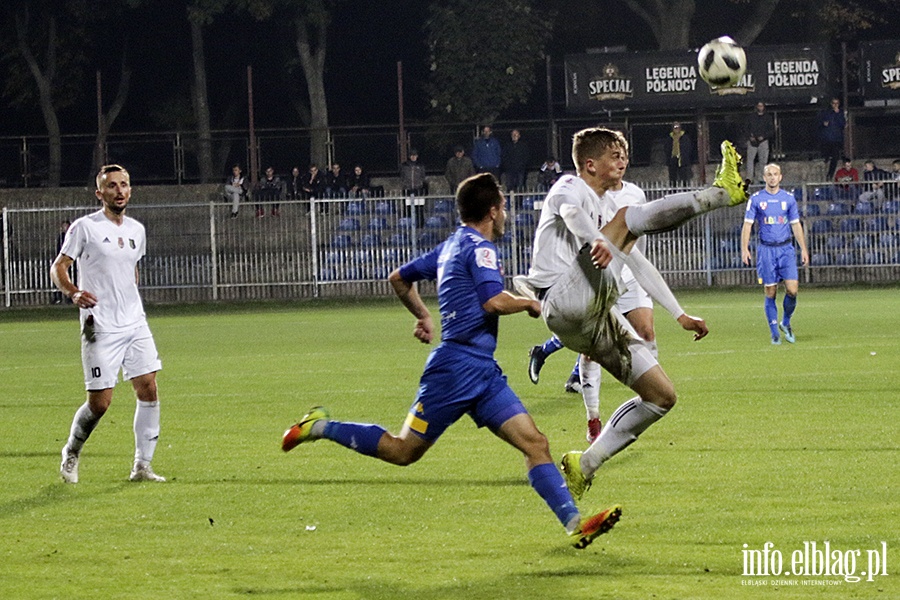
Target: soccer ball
[{"x": 722, "y": 62}]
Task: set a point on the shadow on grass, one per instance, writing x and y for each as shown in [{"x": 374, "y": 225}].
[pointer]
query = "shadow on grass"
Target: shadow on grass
[
  {"x": 499, "y": 482},
  {"x": 56, "y": 493}
]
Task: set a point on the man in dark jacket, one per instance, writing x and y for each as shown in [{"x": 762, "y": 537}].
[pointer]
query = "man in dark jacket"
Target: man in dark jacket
[
  {"x": 515, "y": 162},
  {"x": 760, "y": 128}
]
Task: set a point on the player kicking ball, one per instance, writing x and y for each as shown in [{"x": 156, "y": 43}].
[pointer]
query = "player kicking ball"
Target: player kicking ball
[{"x": 461, "y": 376}]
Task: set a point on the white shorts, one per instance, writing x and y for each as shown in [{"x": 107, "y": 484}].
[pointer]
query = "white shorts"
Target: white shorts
[
  {"x": 581, "y": 309},
  {"x": 634, "y": 297},
  {"x": 134, "y": 352}
]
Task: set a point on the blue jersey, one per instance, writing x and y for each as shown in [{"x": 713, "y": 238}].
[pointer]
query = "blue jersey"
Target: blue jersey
[
  {"x": 468, "y": 274},
  {"x": 773, "y": 214}
]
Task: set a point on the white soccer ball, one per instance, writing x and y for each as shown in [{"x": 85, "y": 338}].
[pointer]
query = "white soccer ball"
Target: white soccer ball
[{"x": 722, "y": 62}]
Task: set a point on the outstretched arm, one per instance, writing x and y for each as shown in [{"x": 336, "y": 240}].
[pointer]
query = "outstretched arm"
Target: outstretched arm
[
  {"x": 409, "y": 296},
  {"x": 506, "y": 303}
]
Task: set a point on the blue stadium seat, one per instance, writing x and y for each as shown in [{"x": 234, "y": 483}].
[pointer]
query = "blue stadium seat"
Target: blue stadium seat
[
  {"x": 812, "y": 210},
  {"x": 333, "y": 257},
  {"x": 729, "y": 245},
  {"x": 823, "y": 193},
  {"x": 835, "y": 242},
  {"x": 399, "y": 239},
  {"x": 349, "y": 224},
  {"x": 428, "y": 240},
  {"x": 444, "y": 206},
  {"x": 525, "y": 219},
  {"x": 875, "y": 224},
  {"x": 845, "y": 259},
  {"x": 406, "y": 223},
  {"x": 820, "y": 226},
  {"x": 798, "y": 194},
  {"x": 872, "y": 258},
  {"x": 363, "y": 257},
  {"x": 861, "y": 241},
  {"x": 864, "y": 207},
  {"x": 820, "y": 259},
  {"x": 370, "y": 240},
  {"x": 888, "y": 240},
  {"x": 342, "y": 241},
  {"x": 391, "y": 256},
  {"x": 378, "y": 224},
  {"x": 328, "y": 274},
  {"x": 891, "y": 206},
  {"x": 356, "y": 207},
  {"x": 837, "y": 209},
  {"x": 384, "y": 208},
  {"x": 437, "y": 222},
  {"x": 848, "y": 225}
]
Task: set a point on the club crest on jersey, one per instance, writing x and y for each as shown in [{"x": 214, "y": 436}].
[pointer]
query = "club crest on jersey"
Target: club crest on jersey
[
  {"x": 486, "y": 258},
  {"x": 763, "y": 205},
  {"x": 121, "y": 243}
]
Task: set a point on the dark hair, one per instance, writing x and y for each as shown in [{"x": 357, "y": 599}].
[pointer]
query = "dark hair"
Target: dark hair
[
  {"x": 476, "y": 195},
  {"x": 593, "y": 142}
]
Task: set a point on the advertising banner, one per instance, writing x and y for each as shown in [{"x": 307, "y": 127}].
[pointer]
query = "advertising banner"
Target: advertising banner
[
  {"x": 880, "y": 72},
  {"x": 791, "y": 74}
]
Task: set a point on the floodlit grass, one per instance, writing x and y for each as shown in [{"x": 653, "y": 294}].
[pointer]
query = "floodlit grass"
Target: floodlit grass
[{"x": 790, "y": 444}]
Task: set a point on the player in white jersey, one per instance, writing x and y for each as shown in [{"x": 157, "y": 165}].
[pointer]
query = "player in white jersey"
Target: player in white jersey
[
  {"x": 115, "y": 334},
  {"x": 577, "y": 273}
]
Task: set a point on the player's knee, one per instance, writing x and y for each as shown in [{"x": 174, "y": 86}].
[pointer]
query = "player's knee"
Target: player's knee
[
  {"x": 404, "y": 455},
  {"x": 665, "y": 398}
]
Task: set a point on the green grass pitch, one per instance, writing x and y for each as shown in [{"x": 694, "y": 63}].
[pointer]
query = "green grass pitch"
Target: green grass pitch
[{"x": 790, "y": 444}]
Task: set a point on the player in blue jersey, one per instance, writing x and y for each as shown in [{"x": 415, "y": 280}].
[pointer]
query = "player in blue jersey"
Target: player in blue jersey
[
  {"x": 774, "y": 210},
  {"x": 461, "y": 376}
]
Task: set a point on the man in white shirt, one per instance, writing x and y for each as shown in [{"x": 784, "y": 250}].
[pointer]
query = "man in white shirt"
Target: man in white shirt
[
  {"x": 577, "y": 272},
  {"x": 115, "y": 334}
]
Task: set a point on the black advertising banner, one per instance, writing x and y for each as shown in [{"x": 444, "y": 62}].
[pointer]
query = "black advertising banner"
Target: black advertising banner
[
  {"x": 791, "y": 74},
  {"x": 880, "y": 72}
]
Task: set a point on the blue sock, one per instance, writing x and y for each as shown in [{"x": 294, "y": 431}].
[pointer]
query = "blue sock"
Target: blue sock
[
  {"x": 576, "y": 370},
  {"x": 548, "y": 482},
  {"x": 790, "y": 303},
  {"x": 772, "y": 316},
  {"x": 551, "y": 346},
  {"x": 361, "y": 437}
]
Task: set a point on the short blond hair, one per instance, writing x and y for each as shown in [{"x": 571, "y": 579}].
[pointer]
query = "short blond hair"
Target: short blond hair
[
  {"x": 593, "y": 142},
  {"x": 106, "y": 169}
]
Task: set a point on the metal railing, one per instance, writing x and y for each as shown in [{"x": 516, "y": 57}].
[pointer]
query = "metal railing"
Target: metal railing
[{"x": 346, "y": 247}]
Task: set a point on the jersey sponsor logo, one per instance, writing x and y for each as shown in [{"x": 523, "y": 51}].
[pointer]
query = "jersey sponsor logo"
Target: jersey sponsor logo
[
  {"x": 784, "y": 206},
  {"x": 486, "y": 258},
  {"x": 131, "y": 243},
  {"x": 780, "y": 220}
]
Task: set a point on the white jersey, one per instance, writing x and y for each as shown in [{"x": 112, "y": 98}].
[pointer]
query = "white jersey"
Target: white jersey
[
  {"x": 107, "y": 255},
  {"x": 555, "y": 246},
  {"x": 611, "y": 202}
]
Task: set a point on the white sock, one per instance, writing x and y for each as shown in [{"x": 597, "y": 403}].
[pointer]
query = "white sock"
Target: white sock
[
  {"x": 590, "y": 372},
  {"x": 82, "y": 425},
  {"x": 669, "y": 212},
  {"x": 146, "y": 431},
  {"x": 624, "y": 426}
]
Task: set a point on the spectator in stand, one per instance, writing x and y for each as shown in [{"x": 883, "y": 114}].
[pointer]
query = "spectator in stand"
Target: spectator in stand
[
  {"x": 550, "y": 172},
  {"x": 847, "y": 175},
  {"x": 760, "y": 128},
  {"x": 269, "y": 189},
  {"x": 295, "y": 185},
  {"x": 831, "y": 126},
  {"x": 313, "y": 184},
  {"x": 236, "y": 187},
  {"x": 680, "y": 157},
  {"x": 459, "y": 167},
  {"x": 515, "y": 162},
  {"x": 486, "y": 153},
  {"x": 875, "y": 179},
  {"x": 335, "y": 182},
  {"x": 412, "y": 176},
  {"x": 894, "y": 188},
  {"x": 358, "y": 183}
]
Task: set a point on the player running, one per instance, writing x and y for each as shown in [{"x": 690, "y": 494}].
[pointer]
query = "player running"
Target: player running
[{"x": 461, "y": 376}]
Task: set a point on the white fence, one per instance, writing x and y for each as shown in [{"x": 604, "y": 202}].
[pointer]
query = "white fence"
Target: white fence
[{"x": 347, "y": 247}]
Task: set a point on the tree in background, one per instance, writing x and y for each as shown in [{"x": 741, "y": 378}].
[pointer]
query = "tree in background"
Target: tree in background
[{"x": 484, "y": 56}]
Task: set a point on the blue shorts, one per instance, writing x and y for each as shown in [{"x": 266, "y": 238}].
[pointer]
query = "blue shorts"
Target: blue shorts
[
  {"x": 455, "y": 382},
  {"x": 776, "y": 263}
]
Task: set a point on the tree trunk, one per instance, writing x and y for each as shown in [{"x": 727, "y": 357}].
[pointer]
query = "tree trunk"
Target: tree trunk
[
  {"x": 44, "y": 81},
  {"x": 313, "y": 63},
  {"x": 200, "y": 102},
  {"x": 107, "y": 119}
]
